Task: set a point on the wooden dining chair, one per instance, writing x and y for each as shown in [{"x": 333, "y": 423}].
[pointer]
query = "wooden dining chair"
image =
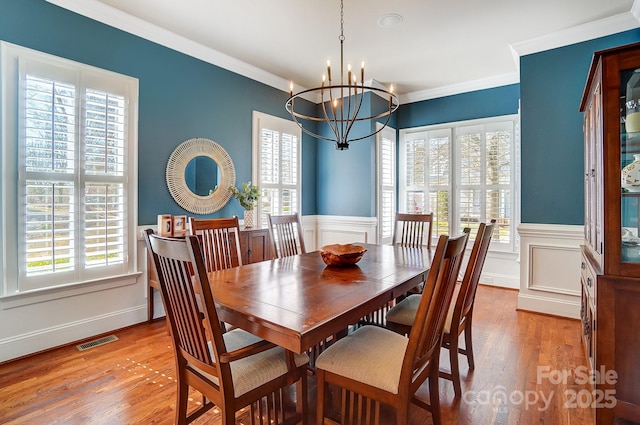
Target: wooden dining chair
[
  {"x": 413, "y": 230},
  {"x": 459, "y": 316},
  {"x": 286, "y": 235},
  {"x": 220, "y": 241},
  {"x": 382, "y": 366},
  {"x": 232, "y": 370}
]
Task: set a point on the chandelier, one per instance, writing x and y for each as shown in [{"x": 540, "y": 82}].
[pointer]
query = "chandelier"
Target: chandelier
[{"x": 340, "y": 104}]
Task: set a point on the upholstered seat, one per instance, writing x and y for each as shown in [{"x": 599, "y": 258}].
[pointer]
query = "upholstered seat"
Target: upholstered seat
[
  {"x": 353, "y": 358},
  {"x": 253, "y": 372}
]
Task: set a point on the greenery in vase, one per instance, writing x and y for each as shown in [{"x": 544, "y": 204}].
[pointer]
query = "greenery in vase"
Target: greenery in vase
[{"x": 247, "y": 196}]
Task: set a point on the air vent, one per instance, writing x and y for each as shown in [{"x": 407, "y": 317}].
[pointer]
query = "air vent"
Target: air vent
[{"x": 96, "y": 342}]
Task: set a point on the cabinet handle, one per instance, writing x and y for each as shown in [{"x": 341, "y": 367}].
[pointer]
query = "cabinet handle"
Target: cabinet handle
[
  {"x": 589, "y": 282},
  {"x": 583, "y": 266},
  {"x": 593, "y": 172}
]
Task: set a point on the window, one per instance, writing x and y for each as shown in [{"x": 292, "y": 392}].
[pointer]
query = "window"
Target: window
[
  {"x": 465, "y": 173},
  {"x": 386, "y": 182},
  {"x": 71, "y": 143},
  {"x": 276, "y": 159}
]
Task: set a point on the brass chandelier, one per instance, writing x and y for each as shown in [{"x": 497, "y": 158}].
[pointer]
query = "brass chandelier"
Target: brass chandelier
[{"x": 341, "y": 104}]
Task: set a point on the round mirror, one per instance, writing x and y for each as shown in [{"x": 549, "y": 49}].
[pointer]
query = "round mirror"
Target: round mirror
[
  {"x": 202, "y": 175},
  {"x": 199, "y": 174}
]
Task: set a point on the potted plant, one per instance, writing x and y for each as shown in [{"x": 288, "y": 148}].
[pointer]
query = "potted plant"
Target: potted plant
[{"x": 247, "y": 196}]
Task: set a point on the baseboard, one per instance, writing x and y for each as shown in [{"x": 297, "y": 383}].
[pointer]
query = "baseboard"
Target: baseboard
[
  {"x": 549, "y": 305},
  {"x": 55, "y": 336}
]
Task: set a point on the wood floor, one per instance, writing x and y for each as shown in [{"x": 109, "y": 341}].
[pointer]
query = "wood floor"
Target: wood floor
[{"x": 519, "y": 359}]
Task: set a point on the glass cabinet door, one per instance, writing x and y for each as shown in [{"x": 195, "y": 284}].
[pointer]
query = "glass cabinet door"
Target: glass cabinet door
[{"x": 630, "y": 162}]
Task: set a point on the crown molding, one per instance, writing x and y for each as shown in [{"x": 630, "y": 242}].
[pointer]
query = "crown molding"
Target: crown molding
[
  {"x": 485, "y": 83},
  {"x": 111, "y": 16},
  {"x": 589, "y": 31}
]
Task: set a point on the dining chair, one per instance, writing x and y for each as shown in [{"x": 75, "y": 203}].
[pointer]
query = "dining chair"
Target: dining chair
[
  {"x": 220, "y": 241},
  {"x": 459, "y": 316},
  {"x": 232, "y": 370},
  {"x": 412, "y": 230},
  {"x": 385, "y": 367},
  {"x": 286, "y": 235}
]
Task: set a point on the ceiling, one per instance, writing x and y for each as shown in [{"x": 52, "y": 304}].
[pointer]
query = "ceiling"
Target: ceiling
[{"x": 440, "y": 46}]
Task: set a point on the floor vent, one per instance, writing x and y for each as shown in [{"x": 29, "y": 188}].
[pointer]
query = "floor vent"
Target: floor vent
[{"x": 96, "y": 342}]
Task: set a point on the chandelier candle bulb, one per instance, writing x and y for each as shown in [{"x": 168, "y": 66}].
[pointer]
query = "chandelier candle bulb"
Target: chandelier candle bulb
[
  {"x": 362, "y": 72},
  {"x": 329, "y": 70}
]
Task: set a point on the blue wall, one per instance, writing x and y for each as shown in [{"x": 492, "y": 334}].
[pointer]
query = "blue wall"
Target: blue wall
[
  {"x": 180, "y": 97},
  {"x": 466, "y": 106},
  {"x": 551, "y": 86},
  {"x": 346, "y": 179}
]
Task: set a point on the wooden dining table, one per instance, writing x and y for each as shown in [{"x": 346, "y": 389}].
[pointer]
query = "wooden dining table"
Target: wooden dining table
[{"x": 298, "y": 301}]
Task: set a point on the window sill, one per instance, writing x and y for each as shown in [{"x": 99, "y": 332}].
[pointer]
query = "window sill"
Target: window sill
[{"x": 48, "y": 294}]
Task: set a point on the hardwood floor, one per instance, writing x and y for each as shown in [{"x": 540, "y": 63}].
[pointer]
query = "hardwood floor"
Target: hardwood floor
[{"x": 520, "y": 357}]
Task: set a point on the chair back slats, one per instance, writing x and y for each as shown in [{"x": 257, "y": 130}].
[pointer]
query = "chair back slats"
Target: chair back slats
[
  {"x": 220, "y": 241},
  {"x": 412, "y": 230},
  {"x": 426, "y": 334},
  {"x": 286, "y": 235},
  {"x": 174, "y": 264},
  {"x": 472, "y": 274}
]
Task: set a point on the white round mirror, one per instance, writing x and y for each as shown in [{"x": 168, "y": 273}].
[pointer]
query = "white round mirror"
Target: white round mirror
[{"x": 183, "y": 176}]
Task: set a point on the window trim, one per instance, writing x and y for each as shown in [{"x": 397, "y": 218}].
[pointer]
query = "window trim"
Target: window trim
[
  {"x": 12, "y": 58},
  {"x": 454, "y": 184}
]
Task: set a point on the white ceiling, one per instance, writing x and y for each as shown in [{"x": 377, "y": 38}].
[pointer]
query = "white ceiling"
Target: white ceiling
[{"x": 441, "y": 46}]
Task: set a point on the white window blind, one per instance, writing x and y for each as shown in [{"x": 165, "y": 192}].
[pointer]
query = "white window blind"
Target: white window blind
[
  {"x": 465, "y": 173},
  {"x": 386, "y": 171},
  {"x": 276, "y": 165},
  {"x": 75, "y": 161}
]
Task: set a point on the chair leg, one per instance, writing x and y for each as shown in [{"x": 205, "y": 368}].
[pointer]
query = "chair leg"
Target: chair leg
[
  {"x": 181, "y": 403},
  {"x": 228, "y": 417},
  {"x": 402, "y": 415},
  {"x": 434, "y": 394},
  {"x": 455, "y": 364},
  {"x": 321, "y": 392},
  {"x": 468, "y": 344},
  {"x": 150, "y": 309},
  {"x": 301, "y": 397}
]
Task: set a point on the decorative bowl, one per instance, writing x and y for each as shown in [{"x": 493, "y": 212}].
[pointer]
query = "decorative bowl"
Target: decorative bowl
[{"x": 341, "y": 255}]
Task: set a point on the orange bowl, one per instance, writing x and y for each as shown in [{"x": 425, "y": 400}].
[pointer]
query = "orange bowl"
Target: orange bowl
[{"x": 341, "y": 255}]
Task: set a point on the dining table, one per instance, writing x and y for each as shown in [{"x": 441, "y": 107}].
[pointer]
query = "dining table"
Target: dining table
[{"x": 298, "y": 301}]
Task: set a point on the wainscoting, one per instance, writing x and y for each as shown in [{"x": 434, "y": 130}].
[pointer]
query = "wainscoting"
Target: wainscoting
[{"x": 550, "y": 269}]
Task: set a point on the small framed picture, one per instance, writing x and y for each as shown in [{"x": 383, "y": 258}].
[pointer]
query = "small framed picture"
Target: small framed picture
[
  {"x": 179, "y": 225},
  {"x": 165, "y": 225}
]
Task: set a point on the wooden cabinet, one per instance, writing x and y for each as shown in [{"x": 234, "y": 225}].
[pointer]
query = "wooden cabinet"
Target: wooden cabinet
[
  {"x": 255, "y": 246},
  {"x": 610, "y": 276}
]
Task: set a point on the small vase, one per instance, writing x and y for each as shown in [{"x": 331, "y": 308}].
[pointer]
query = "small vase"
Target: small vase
[
  {"x": 248, "y": 218},
  {"x": 631, "y": 175}
]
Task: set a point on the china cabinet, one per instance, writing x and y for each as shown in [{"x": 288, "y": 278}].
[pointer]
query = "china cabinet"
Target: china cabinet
[{"x": 610, "y": 275}]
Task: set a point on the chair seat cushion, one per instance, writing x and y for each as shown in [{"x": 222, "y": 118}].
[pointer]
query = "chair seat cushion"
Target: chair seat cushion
[
  {"x": 370, "y": 355},
  {"x": 404, "y": 313},
  {"x": 254, "y": 371}
]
